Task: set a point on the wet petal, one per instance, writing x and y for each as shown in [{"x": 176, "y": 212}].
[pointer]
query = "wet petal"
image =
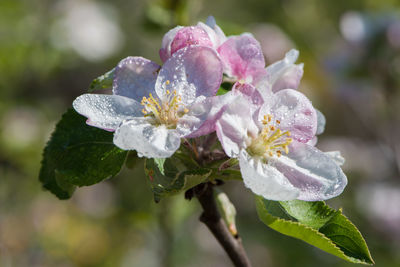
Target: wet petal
[
  {"x": 295, "y": 113},
  {"x": 165, "y": 51},
  {"x": 148, "y": 140},
  {"x": 106, "y": 111},
  {"x": 242, "y": 56},
  {"x": 265, "y": 180},
  {"x": 187, "y": 36},
  {"x": 336, "y": 156},
  {"x": 192, "y": 71},
  {"x": 284, "y": 74},
  {"x": 315, "y": 174},
  {"x": 135, "y": 77},
  {"x": 235, "y": 125}
]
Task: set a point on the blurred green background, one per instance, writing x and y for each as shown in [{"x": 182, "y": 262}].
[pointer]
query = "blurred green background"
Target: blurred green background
[{"x": 50, "y": 50}]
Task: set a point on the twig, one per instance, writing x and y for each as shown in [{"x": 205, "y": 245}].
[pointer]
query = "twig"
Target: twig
[{"x": 213, "y": 220}]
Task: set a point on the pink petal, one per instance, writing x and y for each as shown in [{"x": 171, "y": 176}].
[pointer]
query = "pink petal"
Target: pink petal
[
  {"x": 250, "y": 92},
  {"x": 203, "y": 115},
  {"x": 135, "y": 77},
  {"x": 192, "y": 71},
  {"x": 242, "y": 56},
  {"x": 187, "y": 36}
]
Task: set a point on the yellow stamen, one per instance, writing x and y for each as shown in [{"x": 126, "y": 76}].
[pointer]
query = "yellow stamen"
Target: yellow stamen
[
  {"x": 166, "y": 111},
  {"x": 271, "y": 140}
]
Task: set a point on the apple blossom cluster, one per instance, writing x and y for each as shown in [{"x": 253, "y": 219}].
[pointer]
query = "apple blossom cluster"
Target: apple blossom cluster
[{"x": 264, "y": 123}]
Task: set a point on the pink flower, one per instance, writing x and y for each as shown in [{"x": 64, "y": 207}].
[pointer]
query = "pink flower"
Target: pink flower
[
  {"x": 243, "y": 58},
  {"x": 152, "y": 107},
  {"x": 270, "y": 142},
  {"x": 209, "y": 35}
]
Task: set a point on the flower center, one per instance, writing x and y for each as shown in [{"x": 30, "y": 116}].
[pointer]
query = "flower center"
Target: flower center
[
  {"x": 271, "y": 140},
  {"x": 166, "y": 111}
]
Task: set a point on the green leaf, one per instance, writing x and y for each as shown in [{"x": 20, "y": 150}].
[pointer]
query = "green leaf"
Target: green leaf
[
  {"x": 103, "y": 82},
  {"x": 222, "y": 91},
  {"x": 317, "y": 224},
  {"x": 168, "y": 177},
  {"x": 78, "y": 155}
]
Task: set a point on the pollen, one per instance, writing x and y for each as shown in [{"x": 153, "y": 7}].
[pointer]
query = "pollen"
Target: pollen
[
  {"x": 271, "y": 140},
  {"x": 165, "y": 111}
]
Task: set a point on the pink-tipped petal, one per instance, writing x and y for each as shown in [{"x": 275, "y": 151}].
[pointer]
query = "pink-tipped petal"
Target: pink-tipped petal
[
  {"x": 135, "y": 77},
  {"x": 106, "y": 111},
  {"x": 165, "y": 51},
  {"x": 265, "y": 180},
  {"x": 295, "y": 113},
  {"x": 148, "y": 140},
  {"x": 192, "y": 71},
  {"x": 188, "y": 36},
  {"x": 316, "y": 175},
  {"x": 242, "y": 56},
  {"x": 284, "y": 74}
]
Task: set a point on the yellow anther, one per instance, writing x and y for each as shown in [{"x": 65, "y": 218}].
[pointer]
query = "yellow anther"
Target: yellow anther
[
  {"x": 271, "y": 140},
  {"x": 166, "y": 110},
  {"x": 167, "y": 82}
]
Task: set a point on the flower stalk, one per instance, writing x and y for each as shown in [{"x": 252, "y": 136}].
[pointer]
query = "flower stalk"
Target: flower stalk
[{"x": 212, "y": 219}]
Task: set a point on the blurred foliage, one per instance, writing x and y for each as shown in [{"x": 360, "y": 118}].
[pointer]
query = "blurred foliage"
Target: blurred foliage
[{"x": 50, "y": 51}]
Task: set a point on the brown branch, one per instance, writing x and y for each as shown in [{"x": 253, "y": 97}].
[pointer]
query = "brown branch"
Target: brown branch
[{"x": 213, "y": 220}]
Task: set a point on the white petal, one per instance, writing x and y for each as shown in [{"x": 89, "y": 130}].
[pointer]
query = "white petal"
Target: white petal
[
  {"x": 148, "y": 140},
  {"x": 235, "y": 125},
  {"x": 265, "y": 180},
  {"x": 211, "y": 34},
  {"x": 336, "y": 156},
  {"x": 284, "y": 74},
  {"x": 314, "y": 173},
  {"x": 135, "y": 77},
  {"x": 213, "y": 25},
  {"x": 107, "y": 111}
]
